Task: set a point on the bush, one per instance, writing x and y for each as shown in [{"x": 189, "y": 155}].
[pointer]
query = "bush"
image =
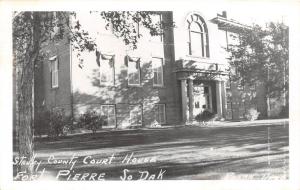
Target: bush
[
  {"x": 205, "y": 116},
  {"x": 52, "y": 123},
  {"x": 91, "y": 121},
  {"x": 284, "y": 113},
  {"x": 56, "y": 123},
  {"x": 252, "y": 114}
]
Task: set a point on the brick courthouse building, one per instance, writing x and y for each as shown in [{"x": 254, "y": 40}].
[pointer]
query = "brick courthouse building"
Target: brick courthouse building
[{"x": 169, "y": 79}]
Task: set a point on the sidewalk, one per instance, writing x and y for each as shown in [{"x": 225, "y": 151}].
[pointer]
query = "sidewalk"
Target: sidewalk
[{"x": 249, "y": 123}]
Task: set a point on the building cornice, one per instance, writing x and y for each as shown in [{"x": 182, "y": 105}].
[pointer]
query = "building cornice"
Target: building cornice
[
  {"x": 189, "y": 70},
  {"x": 229, "y": 24}
]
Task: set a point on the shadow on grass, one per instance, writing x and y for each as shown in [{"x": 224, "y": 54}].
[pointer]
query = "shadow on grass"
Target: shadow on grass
[
  {"x": 246, "y": 165},
  {"x": 181, "y": 151},
  {"x": 172, "y": 137}
]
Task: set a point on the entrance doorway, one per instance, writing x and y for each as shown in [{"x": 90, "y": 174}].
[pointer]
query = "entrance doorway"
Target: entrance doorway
[{"x": 202, "y": 99}]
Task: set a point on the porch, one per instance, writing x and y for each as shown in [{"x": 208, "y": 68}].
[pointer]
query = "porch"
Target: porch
[{"x": 202, "y": 92}]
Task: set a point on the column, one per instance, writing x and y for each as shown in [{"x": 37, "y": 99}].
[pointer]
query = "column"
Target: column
[
  {"x": 191, "y": 99},
  {"x": 184, "y": 100},
  {"x": 219, "y": 98},
  {"x": 224, "y": 99}
]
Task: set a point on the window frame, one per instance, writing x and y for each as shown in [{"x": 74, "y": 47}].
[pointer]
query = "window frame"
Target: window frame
[
  {"x": 112, "y": 59},
  {"x": 154, "y": 39},
  {"x": 157, "y": 112},
  {"x": 203, "y": 32},
  {"x": 162, "y": 72},
  {"x": 139, "y": 70},
  {"x": 114, "y": 116},
  {"x": 54, "y": 71},
  {"x": 228, "y": 84}
]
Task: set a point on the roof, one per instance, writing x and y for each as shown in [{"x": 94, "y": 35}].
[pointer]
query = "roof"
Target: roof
[{"x": 229, "y": 24}]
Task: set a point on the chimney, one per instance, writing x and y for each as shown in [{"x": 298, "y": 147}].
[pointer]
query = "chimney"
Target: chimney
[{"x": 224, "y": 14}]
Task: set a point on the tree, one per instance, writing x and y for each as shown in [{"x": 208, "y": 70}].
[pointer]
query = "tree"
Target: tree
[
  {"x": 279, "y": 51},
  {"x": 32, "y": 29},
  {"x": 261, "y": 58}
]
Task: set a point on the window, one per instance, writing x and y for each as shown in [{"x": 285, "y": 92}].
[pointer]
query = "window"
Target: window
[
  {"x": 241, "y": 109},
  {"x": 202, "y": 98},
  {"x": 135, "y": 115},
  {"x": 157, "y": 68},
  {"x": 107, "y": 71},
  {"x": 108, "y": 115},
  {"x": 227, "y": 84},
  {"x": 54, "y": 72},
  {"x": 229, "y": 109},
  {"x": 160, "y": 114},
  {"x": 134, "y": 71},
  {"x": 198, "y": 36},
  {"x": 207, "y": 97},
  {"x": 157, "y": 20}
]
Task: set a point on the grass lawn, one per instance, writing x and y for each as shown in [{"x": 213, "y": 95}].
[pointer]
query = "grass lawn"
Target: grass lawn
[{"x": 236, "y": 152}]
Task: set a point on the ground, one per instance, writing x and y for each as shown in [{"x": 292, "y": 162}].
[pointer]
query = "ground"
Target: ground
[{"x": 241, "y": 150}]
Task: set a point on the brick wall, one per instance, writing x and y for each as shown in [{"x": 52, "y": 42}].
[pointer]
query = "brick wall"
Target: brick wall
[
  {"x": 60, "y": 97},
  {"x": 88, "y": 93}
]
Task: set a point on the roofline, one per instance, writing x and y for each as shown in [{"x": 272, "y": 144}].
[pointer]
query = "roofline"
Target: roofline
[{"x": 226, "y": 23}]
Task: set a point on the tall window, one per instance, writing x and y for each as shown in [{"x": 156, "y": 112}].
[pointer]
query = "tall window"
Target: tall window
[
  {"x": 135, "y": 115},
  {"x": 54, "y": 72},
  {"x": 160, "y": 114},
  {"x": 228, "y": 84},
  {"x": 134, "y": 71},
  {"x": 108, "y": 115},
  {"x": 107, "y": 71},
  {"x": 157, "y": 20},
  {"x": 207, "y": 97},
  {"x": 229, "y": 109},
  {"x": 198, "y": 36},
  {"x": 157, "y": 68}
]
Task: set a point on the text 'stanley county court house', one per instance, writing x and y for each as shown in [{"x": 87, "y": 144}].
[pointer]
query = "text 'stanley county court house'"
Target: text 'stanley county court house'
[{"x": 168, "y": 79}]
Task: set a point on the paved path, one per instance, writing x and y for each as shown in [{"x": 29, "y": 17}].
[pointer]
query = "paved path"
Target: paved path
[{"x": 257, "y": 151}]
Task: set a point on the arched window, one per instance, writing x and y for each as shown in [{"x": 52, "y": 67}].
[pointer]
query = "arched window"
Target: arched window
[{"x": 198, "y": 36}]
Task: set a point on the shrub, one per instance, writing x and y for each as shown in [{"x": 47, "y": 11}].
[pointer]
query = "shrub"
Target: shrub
[
  {"x": 252, "y": 114},
  {"x": 284, "y": 113},
  {"x": 205, "y": 116},
  {"x": 52, "y": 123},
  {"x": 91, "y": 121},
  {"x": 58, "y": 122},
  {"x": 155, "y": 124}
]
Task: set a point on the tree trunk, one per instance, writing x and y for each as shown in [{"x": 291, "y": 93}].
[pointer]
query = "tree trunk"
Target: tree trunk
[
  {"x": 25, "y": 112},
  {"x": 25, "y": 97},
  {"x": 268, "y": 94}
]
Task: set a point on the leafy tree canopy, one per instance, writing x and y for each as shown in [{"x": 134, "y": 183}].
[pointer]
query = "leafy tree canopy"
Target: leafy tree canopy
[
  {"x": 58, "y": 25},
  {"x": 261, "y": 56}
]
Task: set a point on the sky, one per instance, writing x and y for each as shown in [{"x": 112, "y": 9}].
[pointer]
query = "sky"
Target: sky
[{"x": 258, "y": 12}]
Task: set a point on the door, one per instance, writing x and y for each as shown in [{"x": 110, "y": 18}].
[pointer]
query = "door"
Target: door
[
  {"x": 238, "y": 109},
  {"x": 202, "y": 99}
]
